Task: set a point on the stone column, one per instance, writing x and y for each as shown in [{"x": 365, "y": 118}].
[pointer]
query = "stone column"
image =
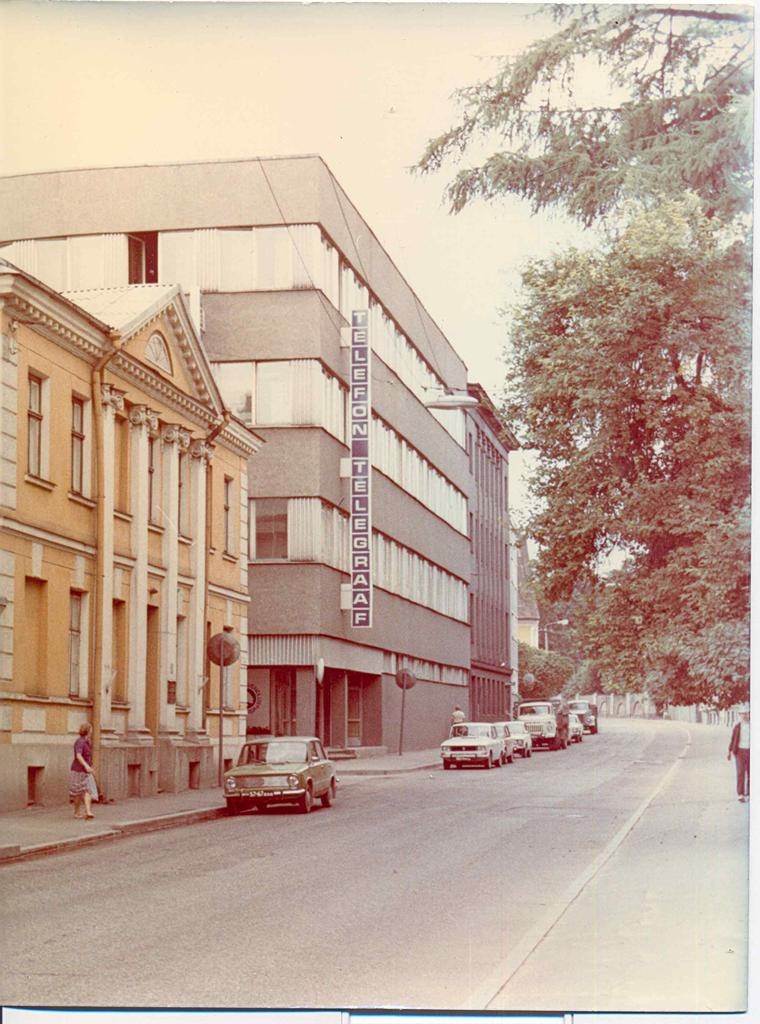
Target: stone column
[
  {"x": 112, "y": 401},
  {"x": 143, "y": 422},
  {"x": 201, "y": 454},
  {"x": 175, "y": 440}
]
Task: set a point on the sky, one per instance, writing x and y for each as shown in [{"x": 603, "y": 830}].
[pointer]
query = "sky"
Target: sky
[{"x": 363, "y": 85}]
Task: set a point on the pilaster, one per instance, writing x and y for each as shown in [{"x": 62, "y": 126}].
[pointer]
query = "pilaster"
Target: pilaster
[
  {"x": 112, "y": 401},
  {"x": 142, "y": 422},
  {"x": 175, "y": 440},
  {"x": 201, "y": 454}
]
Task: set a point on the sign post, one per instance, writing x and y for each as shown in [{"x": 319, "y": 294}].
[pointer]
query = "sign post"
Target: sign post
[
  {"x": 223, "y": 650},
  {"x": 405, "y": 680}
]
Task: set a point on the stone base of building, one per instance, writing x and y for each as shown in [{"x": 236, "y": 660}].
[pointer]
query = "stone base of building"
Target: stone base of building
[{"x": 139, "y": 765}]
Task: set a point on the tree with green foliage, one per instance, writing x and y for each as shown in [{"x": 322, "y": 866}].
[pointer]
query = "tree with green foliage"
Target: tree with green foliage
[
  {"x": 678, "y": 113},
  {"x": 551, "y": 672},
  {"x": 628, "y": 367},
  {"x": 629, "y": 373}
]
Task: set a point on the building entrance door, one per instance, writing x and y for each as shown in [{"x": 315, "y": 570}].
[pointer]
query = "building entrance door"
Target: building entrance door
[
  {"x": 354, "y": 715},
  {"x": 283, "y": 682}
]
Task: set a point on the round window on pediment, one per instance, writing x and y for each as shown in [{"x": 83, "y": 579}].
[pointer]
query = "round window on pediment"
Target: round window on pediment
[{"x": 157, "y": 352}]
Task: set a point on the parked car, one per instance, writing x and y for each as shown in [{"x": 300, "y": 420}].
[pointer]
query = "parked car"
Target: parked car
[
  {"x": 508, "y": 744},
  {"x": 575, "y": 728},
  {"x": 546, "y": 721},
  {"x": 587, "y": 712},
  {"x": 523, "y": 744},
  {"x": 280, "y": 770},
  {"x": 472, "y": 743}
]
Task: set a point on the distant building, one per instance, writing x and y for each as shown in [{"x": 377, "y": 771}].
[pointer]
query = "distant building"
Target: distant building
[
  {"x": 274, "y": 259},
  {"x": 493, "y": 596},
  {"x": 123, "y": 507},
  {"x": 529, "y": 617}
]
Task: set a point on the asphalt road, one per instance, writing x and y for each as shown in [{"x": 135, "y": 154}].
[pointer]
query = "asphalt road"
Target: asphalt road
[{"x": 413, "y": 891}]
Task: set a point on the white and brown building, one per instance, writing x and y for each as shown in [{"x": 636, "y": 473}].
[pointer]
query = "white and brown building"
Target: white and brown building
[{"x": 123, "y": 508}]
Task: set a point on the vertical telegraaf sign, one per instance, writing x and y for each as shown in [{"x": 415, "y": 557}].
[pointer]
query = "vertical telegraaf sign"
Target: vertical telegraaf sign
[{"x": 361, "y": 474}]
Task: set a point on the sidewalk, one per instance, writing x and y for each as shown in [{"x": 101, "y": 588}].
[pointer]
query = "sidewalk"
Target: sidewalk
[{"x": 39, "y": 831}]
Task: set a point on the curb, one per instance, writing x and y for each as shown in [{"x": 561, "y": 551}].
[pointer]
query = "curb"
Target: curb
[
  {"x": 389, "y": 771},
  {"x": 13, "y": 854}
]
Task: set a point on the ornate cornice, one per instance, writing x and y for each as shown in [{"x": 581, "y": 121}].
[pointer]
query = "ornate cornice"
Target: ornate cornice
[
  {"x": 33, "y": 315},
  {"x": 157, "y": 385}
]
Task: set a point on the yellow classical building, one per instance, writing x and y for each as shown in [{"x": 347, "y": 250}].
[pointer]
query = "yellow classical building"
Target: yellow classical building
[{"x": 123, "y": 509}]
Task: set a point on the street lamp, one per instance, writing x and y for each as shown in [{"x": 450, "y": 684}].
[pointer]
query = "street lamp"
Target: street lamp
[
  {"x": 451, "y": 399},
  {"x": 558, "y": 622}
]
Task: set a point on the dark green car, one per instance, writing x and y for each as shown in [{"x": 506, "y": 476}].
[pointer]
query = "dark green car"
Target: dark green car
[{"x": 280, "y": 770}]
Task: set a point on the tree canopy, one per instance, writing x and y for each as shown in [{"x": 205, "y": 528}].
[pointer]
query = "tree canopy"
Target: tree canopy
[
  {"x": 629, "y": 373},
  {"x": 628, "y": 366},
  {"x": 619, "y": 102},
  {"x": 551, "y": 672}
]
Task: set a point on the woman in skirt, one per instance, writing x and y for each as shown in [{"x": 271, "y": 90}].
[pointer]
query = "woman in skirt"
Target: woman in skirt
[{"x": 81, "y": 770}]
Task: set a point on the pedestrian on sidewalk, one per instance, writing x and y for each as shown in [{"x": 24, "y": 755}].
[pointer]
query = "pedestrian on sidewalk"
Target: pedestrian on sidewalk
[
  {"x": 739, "y": 747},
  {"x": 457, "y": 715},
  {"x": 81, "y": 770}
]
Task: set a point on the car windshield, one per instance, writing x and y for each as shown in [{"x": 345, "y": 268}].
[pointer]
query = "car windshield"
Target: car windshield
[
  {"x": 273, "y": 752},
  {"x": 470, "y": 730},
  {"x": 535, "y": 709}
]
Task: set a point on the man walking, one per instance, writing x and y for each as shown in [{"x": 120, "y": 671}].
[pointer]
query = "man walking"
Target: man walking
[
  {"x": 739, "y": 747},
  {"x": 457, "y": 715}
]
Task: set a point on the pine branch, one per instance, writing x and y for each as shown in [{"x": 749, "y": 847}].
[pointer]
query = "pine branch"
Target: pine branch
[{"x": 676, "y": 12}]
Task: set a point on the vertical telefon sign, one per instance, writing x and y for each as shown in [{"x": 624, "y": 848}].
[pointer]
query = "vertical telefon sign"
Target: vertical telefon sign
[{"x": 361, "y": 472}]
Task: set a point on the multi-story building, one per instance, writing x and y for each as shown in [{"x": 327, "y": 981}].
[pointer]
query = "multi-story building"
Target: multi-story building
[
  {"x": 528, "y": 616},
  {"x": 493, "y": 594},
  {"x": 275, "y": 259},
  {"x": 123, "y": 508}
]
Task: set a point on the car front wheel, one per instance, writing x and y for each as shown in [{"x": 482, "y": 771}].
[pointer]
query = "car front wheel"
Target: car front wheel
[
  {"x": 307, "y": 801},
  {"x": 329, "y": 796}
]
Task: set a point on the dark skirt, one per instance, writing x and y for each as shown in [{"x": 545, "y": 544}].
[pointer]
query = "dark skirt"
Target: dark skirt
[{"x": 77, "y": 783}]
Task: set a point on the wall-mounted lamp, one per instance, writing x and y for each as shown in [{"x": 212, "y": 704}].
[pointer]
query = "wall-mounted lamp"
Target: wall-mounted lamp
[{"x": 451, "y": 399}]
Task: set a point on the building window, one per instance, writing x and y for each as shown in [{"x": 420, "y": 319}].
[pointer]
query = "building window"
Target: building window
[
  {"x": 228, "y": 515},
  {"x": 35, "y": 426},
  {"x": 143, "y": 257},
  {"x": 183, "y": 496},
  {"x": 119, "y": 652},
  {"x": 271, "y": 528},
  {"x": 181, "y": 663},
  {"x": 235, "y": 382},
  {"x": 157, "y": 352},
  {"x": 75, "y": 643},
  {"x": 121, "y": 463},
  {"x": 77, "y": 445}
]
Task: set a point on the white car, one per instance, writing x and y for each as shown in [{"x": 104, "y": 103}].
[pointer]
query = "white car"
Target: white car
[
  {"x": 574, "y": 728},
  {"x": 508, "y": 744},
  {"x": 472, "y": 743},
  {"x": 522, "y": 743}
]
